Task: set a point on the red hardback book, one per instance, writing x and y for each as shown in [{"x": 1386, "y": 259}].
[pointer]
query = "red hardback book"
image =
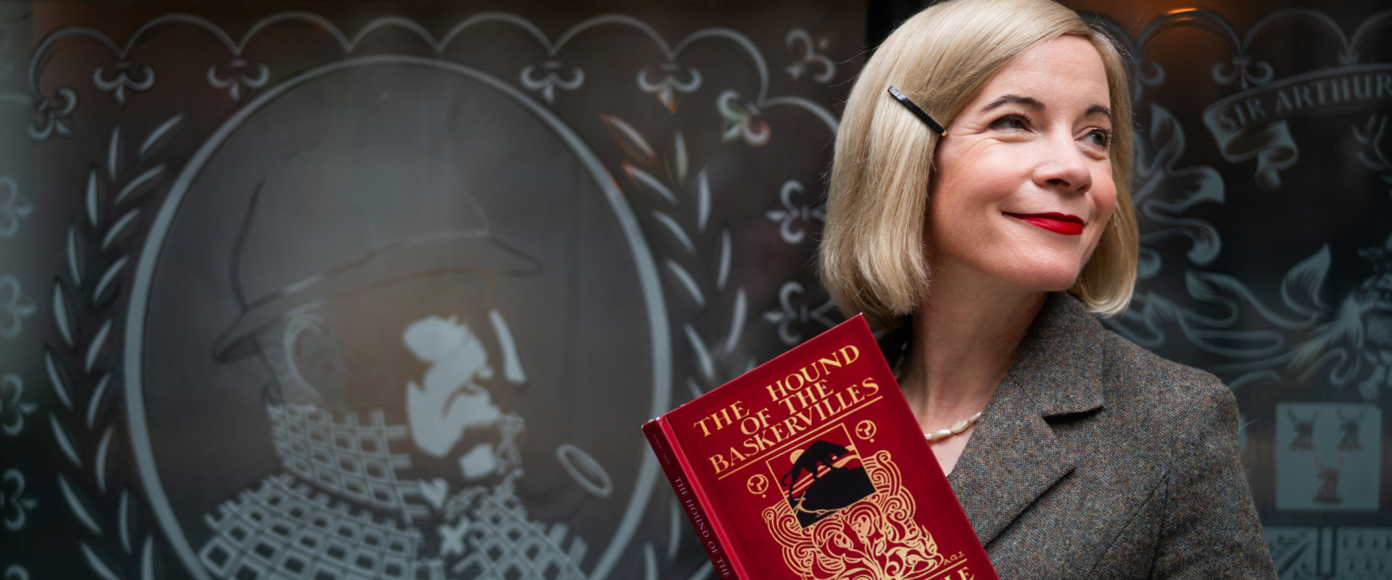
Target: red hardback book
[{"x": 812, "y": 466}]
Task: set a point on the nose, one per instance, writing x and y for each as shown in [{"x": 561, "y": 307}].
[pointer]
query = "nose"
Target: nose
[{"x": 1061, "y": 165}]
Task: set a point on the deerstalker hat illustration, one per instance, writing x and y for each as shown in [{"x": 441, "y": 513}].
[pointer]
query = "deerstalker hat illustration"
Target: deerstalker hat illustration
[{"x": 335, "y": 220}]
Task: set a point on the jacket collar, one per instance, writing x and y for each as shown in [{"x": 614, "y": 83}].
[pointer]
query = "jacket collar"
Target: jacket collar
[{"x": 1013, "y": 456}]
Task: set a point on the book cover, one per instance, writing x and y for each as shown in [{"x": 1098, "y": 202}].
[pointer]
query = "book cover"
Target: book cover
[{"x": 812, "y": 466}]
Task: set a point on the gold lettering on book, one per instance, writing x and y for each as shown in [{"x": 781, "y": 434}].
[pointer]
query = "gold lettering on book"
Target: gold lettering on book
[
  {"x": 874, "y": 538},
  {"x": 722, "y": 418},
  {"x": 801, "y": 401},
  {"x": 811, "y": 373},
  {"x": 771, "y": 441}
]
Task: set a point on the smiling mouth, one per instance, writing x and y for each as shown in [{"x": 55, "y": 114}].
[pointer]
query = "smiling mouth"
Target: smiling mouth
[{"x": 1055, "y": 222}]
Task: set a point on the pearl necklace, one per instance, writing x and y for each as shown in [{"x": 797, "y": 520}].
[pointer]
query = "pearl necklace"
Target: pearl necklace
[{"x": 957, "y": 429}]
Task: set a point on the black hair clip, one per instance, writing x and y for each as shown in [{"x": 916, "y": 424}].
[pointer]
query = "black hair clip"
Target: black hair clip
[{"x": 915, "y": 110}]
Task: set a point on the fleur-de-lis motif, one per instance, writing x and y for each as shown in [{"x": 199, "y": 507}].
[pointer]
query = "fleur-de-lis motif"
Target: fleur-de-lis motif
[
  {"x": 14, "y": 507},
  {"x": 240, "y": 73},
  {"x": 548, "y": 83},
  {"x": 791, "y": 213},
  {"x": 14, "y": 307},
  {"x": 740, "y": 120},
  {"x": 810, "y": 57},
  {"x": 51, "y": 114},
  {"x": 12, "y": 407},
  {"x": 667, "y": 88},
  {"x": 1251, "y": 73},
  {"x": 13, "y": 206},
  {"x": 794, "y": 315},
  {"x": 121, "y": 80}
]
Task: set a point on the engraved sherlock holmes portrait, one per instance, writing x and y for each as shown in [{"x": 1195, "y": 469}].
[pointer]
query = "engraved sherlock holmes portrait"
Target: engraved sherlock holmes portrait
[{"x": 416, "y": 272}]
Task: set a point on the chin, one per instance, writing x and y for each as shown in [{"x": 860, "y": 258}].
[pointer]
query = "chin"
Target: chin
[
  {"x": 1044, "y": 276},
  {"x": 1050, "y": 284}
]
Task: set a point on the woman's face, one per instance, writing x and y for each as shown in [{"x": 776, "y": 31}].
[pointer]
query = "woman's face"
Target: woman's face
[{"x": 1024, "y": 180}]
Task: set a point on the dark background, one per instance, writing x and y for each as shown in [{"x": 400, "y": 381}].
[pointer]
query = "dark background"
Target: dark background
[{"x": 1277, "y": 289}]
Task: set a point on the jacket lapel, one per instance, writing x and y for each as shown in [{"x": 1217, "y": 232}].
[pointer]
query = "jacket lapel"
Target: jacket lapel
[{"x": 1014, "y": 455}]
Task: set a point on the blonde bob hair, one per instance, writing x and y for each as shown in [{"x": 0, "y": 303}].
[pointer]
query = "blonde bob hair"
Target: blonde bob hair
[{"x": 872, "y": 255}]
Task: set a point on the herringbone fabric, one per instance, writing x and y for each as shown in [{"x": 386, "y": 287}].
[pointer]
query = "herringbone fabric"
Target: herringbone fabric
[{"x": 1098, "y": 459}]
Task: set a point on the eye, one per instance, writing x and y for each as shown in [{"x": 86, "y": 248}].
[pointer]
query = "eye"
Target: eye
[
  {"x": 1100, "y": 138},
  {"x": 1011, "y": 122}
]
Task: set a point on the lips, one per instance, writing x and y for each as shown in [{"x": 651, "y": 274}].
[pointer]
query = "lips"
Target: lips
[{"x": 1055, "y": 222}]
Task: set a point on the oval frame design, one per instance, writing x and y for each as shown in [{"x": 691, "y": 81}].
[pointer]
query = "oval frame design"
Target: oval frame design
[{"x": 653, "y": 300}]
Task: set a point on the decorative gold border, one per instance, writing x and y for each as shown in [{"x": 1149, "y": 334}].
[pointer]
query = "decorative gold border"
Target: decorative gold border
[{"x": 872, "y": 538}]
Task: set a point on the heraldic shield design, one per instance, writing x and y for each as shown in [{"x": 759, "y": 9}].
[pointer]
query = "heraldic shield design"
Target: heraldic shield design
[
  {"x": 350, "y": 395},
  {"x": 843, "y": 515}
]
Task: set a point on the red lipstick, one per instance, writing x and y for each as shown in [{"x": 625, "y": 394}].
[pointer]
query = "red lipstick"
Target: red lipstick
[{"x": 1055, "y": 222}]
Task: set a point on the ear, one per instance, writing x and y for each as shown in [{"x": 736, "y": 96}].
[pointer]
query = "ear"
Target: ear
[{"x": 315, "y": 362}]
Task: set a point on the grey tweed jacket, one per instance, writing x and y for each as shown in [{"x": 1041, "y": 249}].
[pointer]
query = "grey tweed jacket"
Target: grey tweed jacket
[{"x": 1098, "y": 459}]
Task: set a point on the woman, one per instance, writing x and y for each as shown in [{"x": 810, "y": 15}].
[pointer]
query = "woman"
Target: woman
[{"x": 989, "y": 246}]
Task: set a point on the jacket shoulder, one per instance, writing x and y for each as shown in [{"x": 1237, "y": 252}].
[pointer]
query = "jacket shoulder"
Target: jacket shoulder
[
  {"x": 1147, "y": 369},
  {"x": 1170, "y": 393}
]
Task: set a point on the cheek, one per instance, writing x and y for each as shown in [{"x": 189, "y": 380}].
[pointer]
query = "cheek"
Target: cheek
[
  {"x": 1104, "y": 202},
  {"x": 973, "y": 185}
]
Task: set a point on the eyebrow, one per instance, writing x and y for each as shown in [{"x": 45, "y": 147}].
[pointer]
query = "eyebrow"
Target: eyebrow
[
  {"x": 1026, "y": 101},
  {"x": 1100, "y": 110},
  {"x": 1035, "y": 104}
]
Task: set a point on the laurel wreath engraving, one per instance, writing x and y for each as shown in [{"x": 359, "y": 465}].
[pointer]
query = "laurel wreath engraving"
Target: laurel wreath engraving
[
  {"x": 682, "y": 213},
  {"x": 85, "y": 304},
  {"x": 85, "y": 311},
  {"x": 698, "y": 270}
]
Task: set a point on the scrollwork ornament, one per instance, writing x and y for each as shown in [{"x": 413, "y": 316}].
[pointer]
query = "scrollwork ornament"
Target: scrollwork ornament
[
  {"x": 1252, "y": 73},
  {"x": 1151, "y": 74},
  {"x": 876, "y": 537},
  {"x": 1164, "y": 193}
]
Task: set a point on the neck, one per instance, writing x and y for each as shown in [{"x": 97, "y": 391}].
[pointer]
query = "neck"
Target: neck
[{"x": 966, "y": 336}]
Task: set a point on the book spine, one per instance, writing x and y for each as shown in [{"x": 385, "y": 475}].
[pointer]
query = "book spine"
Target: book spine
[{"x": 691, "y": 497}]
